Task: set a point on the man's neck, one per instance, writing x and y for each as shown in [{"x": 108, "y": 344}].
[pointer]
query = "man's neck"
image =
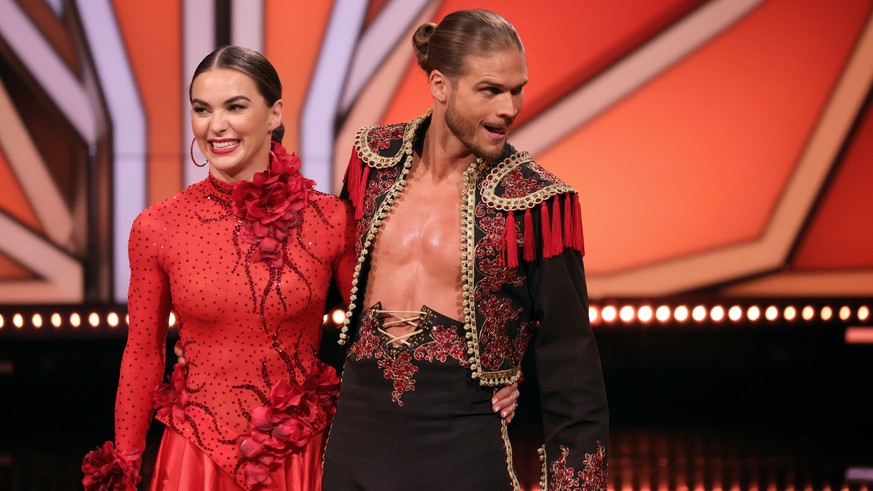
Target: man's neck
[{"x": 442, "y": 153}]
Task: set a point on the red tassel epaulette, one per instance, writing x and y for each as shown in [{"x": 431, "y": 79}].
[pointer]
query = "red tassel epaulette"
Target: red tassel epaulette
[
  {"x": 545, "y": 229},
  {"x": 578, "y": 235},
  {"x": 567, "y": 234},
  {"x": 355, "y": 183},
  {"x": 556, "y": 239},
  {"x": 510, "y": 244},
  {"x": 530, "y": 249}
]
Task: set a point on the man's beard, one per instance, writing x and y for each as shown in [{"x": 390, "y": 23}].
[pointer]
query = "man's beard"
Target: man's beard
[{"x": 465, "y": 131}]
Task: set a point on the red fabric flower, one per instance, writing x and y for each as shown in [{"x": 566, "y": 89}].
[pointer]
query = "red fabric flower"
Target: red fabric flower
[
  {"x": 295, "y": 413},
  {"x": 106, "y": 469},
  {"x": 171, "y": 398},
  {"x": 269, "y": 205}
]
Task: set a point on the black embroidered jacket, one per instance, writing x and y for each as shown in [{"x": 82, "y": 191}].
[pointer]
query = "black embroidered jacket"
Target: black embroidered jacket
[{"x": 521, "y": 255}]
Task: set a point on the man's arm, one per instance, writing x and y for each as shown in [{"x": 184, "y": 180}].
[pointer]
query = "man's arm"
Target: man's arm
[{"x": 573, "y": 398}]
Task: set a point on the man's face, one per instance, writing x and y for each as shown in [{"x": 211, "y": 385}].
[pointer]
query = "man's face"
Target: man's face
[{"x": 484, "y": 101}]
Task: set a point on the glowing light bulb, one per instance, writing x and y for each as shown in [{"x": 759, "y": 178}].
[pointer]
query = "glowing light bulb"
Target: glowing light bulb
[
  {"x": 807, "y": 313},
  {"x": 754, "y": 313},
  {"x": 699, "y": 313},
  {"x": 717, "y": 313},
  {"x": 609, "y": 313},
  {"x": 645, "y": 314},
  {"x": 626, "y": 314},
  {"x": 662, "y": 313},
  {"x": 735, "y": 313},
  {"x": 827, "y": 313}
]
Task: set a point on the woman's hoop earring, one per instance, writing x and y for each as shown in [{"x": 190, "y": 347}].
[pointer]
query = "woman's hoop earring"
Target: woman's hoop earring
[{"x": 191, "y": 152}]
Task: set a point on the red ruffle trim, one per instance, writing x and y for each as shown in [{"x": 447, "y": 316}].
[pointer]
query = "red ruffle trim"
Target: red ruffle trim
[{"x": 106, "y": 469}]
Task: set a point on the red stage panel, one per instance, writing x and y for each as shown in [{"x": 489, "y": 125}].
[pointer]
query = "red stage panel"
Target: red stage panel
[
  {"x": 697, "y": 159},
  {"x": 13, "y": 202},
  {"x": 840, "y": 235}
]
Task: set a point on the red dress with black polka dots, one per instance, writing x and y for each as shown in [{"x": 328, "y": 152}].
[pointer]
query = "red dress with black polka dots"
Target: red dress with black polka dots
[{"x": 246, "y": 270}]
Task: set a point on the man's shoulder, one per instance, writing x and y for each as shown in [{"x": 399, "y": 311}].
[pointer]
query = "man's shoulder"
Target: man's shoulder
[
  {"x": 519, "y": 183},
  {"x": 383, "y": 145}
]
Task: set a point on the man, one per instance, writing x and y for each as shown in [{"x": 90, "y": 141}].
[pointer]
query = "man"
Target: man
[{"x": 465, "y": 247}]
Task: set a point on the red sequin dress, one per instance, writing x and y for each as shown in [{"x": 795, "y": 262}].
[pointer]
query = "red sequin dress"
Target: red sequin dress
[{"x": 246, "y": 270}]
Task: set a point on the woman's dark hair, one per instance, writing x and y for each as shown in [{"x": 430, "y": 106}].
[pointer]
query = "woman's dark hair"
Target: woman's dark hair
[
  {"x": 251, "y": 63},
  {"x": 446, "y": 46}
]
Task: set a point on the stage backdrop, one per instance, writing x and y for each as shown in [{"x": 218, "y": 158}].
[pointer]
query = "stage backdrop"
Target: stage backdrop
[{"x": 721, "y": 146}]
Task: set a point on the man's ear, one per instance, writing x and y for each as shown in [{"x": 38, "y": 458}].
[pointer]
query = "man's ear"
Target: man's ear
[{"x": 440, "y": 85}]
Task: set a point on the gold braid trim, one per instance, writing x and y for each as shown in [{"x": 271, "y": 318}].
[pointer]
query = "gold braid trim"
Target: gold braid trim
[
  {"x": 501, "y": 170},
  {"x": 380, "y": 215},
  {"x": 544, "y": 477},
  {"x": 507, "y": 445},
  {"x": 499, "y": 377},
  {"x": 373, "y": 159},
  {"x": 468, "y": 267}
]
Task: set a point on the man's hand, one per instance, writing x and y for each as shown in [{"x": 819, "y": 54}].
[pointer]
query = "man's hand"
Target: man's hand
[
  {"x": 505, "y": 401},
  {"x": 180, "y": 354}
]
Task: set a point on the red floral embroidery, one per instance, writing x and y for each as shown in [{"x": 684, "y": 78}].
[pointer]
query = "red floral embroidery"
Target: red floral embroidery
[
  {"x": 375, "y": 190},
  {"x": 269, "y": 205},
  {"x": 295, "y": 413},
  {"x": 515, "y": 185},
  {"x": 366, "y": 344},
  {"x": 543, "y": 173},
  {"x": 591, "y": 478},
  {"x": 400, "y": 371},
  {"x": 170, "y": 399},
  {"x": 380, "y": 137},
  {"x": 445, "y": 344},
  {"x": 396, "y": 363},
  {"x": 107, "y": 469},
  {"x": 594, "y": 473}
]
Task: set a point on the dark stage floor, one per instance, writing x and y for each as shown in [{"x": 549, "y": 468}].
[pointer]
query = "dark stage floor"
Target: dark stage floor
[{"x": 739, "y": 408}]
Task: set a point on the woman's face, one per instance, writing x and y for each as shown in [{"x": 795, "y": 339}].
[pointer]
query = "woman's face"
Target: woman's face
[{"x": 232, "y": 123}]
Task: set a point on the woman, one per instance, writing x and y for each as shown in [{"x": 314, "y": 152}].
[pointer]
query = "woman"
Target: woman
[{"x": 244, "y": 258}]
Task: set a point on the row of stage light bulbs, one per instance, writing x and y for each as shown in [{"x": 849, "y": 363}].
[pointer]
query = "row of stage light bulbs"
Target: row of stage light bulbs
[
  {"x": 609, "y": 314},
  {"x": 645, "y": 314}
]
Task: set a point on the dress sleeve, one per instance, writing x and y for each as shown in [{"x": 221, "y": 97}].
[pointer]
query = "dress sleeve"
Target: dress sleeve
[
  {"x": 344, "y": 265},
  {"x": 148, "y": 302},
  {"x": 572, "y": 395}
]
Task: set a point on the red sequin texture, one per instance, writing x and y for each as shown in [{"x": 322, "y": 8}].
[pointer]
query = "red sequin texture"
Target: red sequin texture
[
  {"x": 591, "y": 478},
  {"x": 244, "y": 324}
]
